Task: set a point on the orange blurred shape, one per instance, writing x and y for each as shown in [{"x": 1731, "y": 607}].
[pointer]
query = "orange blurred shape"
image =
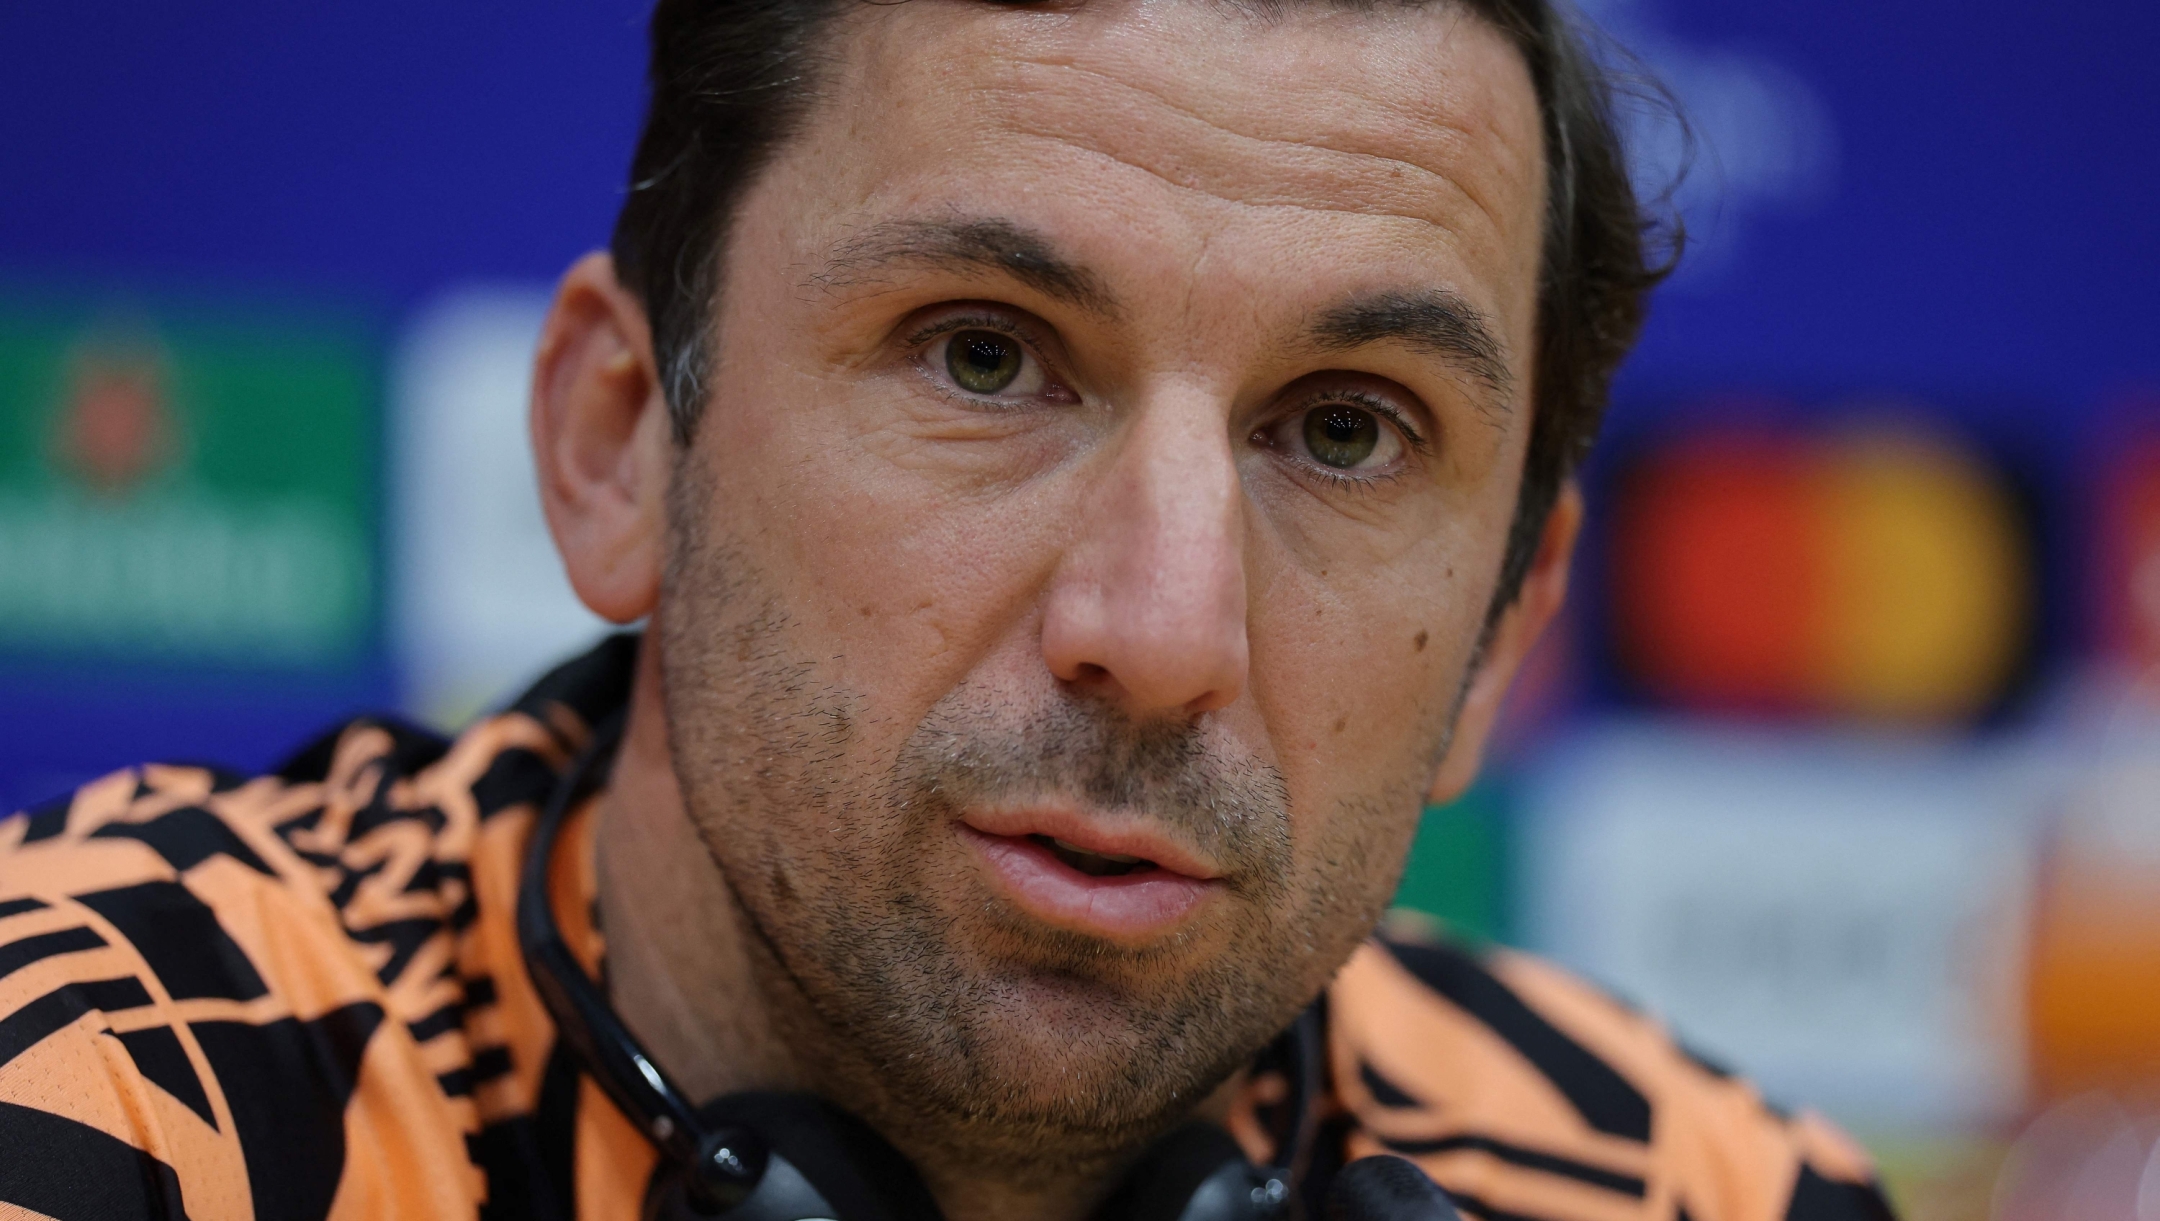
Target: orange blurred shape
[
  {"x": 1879, "y": 574},
  {"x": 2093, "y": 1017},
  {"x": 1929, "y": 578}
]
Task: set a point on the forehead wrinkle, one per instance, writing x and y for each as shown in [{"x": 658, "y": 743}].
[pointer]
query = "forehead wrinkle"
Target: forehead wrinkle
[
  {"x": 1317, "y": 207},
  {"x": 1352, "y": 180}
]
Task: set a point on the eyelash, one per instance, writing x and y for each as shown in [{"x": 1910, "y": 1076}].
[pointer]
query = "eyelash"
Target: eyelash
[
  {"x": 1413, "y": 440},
  {"x": 980, "y": 322}
]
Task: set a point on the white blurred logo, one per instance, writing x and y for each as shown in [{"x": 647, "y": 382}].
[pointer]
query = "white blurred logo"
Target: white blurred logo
[
  {"x": 480, "y": 604},
  {"x": 1843, "y": 918}
]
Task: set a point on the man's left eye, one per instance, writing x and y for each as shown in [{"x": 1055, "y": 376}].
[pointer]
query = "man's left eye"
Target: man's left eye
[
  {"x": 1339, "y": 437},
  {"x": 987, "y": 364}
]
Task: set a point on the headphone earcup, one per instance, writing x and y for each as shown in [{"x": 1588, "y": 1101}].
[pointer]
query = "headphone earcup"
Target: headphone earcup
[
  {"x": 817, "y": 1150},
  {"x": 1197, "y": 1173},
  {"x": 1387, "y": 1188}
]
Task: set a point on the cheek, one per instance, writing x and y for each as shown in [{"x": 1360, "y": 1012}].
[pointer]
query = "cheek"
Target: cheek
[
  {"x": 1358, "y": 682},
  {"x": 1358, "y": 679},
  {"x": 895, "y": 576}
]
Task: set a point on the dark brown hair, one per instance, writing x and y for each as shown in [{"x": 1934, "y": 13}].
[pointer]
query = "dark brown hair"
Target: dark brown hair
[{"x": 731, "y": 79}]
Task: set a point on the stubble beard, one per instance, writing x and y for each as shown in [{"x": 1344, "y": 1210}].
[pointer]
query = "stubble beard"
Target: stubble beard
[{"x": 978, "y": 1034}]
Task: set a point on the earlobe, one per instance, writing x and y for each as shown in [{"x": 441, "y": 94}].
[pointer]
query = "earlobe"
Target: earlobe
[
  {"x": 601, "y": 442},
  {"x": 1543, "y": 591}
]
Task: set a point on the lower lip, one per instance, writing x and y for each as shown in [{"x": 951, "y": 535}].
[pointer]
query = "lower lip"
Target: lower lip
[{"x": 1124, "y": 907}]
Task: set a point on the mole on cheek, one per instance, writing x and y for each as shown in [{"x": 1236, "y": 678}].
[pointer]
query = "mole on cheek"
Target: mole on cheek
[{"x": 1418, "y": 645}]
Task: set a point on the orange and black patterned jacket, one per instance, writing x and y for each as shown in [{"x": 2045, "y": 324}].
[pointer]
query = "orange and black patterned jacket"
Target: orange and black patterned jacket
[{"x": 300, "y": 996}]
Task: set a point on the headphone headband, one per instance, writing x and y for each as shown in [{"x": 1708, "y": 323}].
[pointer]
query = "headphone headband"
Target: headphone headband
[{"x": 614, "y": 1057}]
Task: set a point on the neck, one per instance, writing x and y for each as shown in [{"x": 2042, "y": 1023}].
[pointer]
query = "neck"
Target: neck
[
  {"x": 677, "y": 968},
  {"x": 686, "y": 978}
]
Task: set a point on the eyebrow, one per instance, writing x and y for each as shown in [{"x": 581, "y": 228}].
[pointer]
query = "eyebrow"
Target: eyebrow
[
  {"x": 966, "y": 245},
  {"x": 1433, "y": 320}
]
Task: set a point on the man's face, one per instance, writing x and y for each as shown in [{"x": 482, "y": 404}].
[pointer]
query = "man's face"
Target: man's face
[{"x": 1116, "y": 421}]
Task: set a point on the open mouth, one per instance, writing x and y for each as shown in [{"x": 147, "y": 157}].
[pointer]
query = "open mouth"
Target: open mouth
[
  {"x": 1094, "y": 864},
  {"x": 1034, "y": 857}
]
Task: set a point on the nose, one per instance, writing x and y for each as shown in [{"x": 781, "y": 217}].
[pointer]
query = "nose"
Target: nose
[{"x": 1147, "y": 607}]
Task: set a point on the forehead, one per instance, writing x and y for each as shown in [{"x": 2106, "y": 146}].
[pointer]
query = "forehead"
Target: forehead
[{"x": 1345, "y": 149}]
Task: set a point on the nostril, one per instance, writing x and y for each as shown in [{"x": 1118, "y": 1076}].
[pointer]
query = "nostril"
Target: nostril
[{"x": 1089, "y": 673}]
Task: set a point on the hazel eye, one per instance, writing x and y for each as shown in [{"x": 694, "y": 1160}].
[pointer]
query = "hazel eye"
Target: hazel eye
[
  {"x": 1339, "y": 436},
  {"x": 989, "y": 364},
  {"x": 982, "y": 361}
]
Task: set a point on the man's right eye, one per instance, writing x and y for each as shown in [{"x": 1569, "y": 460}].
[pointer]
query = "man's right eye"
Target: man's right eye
[{"x": 987, "y": 364}]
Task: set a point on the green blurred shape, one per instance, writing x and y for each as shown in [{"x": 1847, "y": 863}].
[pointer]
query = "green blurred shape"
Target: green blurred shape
[
  {"x": 1458, "y": 868},
  {"x": 186, "y": 484}
]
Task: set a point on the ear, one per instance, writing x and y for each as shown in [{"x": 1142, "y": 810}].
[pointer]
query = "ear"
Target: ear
[
  {"x": 601, "y": 442},
  {"x": 1544, "y": 588}
]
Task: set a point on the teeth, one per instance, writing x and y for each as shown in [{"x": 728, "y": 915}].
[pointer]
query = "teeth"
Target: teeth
[{"x": 1112, "y": 857}]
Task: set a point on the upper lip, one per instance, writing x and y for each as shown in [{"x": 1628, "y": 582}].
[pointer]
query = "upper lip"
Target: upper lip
[{"x": 1103, "y": 833}]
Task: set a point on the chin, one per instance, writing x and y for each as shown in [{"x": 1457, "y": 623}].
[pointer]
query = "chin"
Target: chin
[
  {"x": 1051, "y": 1051},
  {"x": 1095, "y": 1087}
]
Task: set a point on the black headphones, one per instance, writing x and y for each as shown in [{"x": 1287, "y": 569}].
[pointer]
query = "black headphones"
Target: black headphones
[{"x": 762, "y": 1156}]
